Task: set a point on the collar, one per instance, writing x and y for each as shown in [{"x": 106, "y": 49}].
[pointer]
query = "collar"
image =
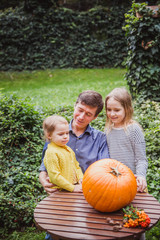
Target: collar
[{"x": 88, "y": 130}]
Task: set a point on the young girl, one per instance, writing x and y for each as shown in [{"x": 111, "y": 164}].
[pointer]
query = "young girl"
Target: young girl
[
  {"x": 124, "y": 135},
  {"x": 62, "y": 167}
]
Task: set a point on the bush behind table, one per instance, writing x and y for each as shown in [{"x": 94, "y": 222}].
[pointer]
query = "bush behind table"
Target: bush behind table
[{"x": 21, "y": 146}]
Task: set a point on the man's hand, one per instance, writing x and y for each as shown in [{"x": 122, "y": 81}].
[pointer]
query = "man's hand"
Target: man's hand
[
  {"x": 47, "y": 185},
  {"x": 141, "y": 183}
]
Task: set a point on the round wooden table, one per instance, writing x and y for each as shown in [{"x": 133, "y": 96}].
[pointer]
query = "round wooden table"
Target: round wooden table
[{"x": 67, "y": 215}]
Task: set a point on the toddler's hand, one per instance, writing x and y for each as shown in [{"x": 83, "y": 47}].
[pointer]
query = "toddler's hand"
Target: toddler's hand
[
  {"x": 80, "y": 181},
  {"x": 78, "y": 188},
  {"x": 141, "y": 183}
]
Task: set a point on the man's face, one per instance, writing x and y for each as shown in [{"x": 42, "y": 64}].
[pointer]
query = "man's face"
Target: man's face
[{"x": 83, "y": 115}]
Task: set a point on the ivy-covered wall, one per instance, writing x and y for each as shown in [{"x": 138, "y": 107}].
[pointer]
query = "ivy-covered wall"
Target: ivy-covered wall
[
  {"x": 143, "y": 42},
  {"x": 61, "y": 38}
]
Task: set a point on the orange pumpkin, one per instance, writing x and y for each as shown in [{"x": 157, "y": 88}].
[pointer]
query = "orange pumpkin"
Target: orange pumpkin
[{"x": 108, "y": 185}]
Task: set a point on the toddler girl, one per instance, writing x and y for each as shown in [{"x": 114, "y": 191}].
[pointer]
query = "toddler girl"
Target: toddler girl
[
  {"x": 124, "y": 135},
  {"x": 60, "y": 161}
]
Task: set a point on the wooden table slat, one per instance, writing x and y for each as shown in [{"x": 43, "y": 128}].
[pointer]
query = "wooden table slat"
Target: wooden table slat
[
  {"x": 150, "y": 200},
  {"x": 82, "y": 224},
  {"x": 78, "y": 197},
  {"x": 67, "y": 235},
  {"x": 91, "y": 215},
  {"x": 69, "y": 208},
  {"x": 85, "y": 206},
  {"x": 46, "y": 218},
  {"x": 65, "y": 197},
  {"x": 72, "y": 217},
  {"x": 60, "y": 201},
  {"x": 102, "y": 232}
]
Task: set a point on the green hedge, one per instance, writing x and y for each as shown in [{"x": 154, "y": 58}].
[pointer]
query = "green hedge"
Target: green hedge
[
  {"x": 21, "y": 147},
  {"x": 61, "y": 38},
  {"x": 148, "y": 115},
  {"x": 20, "y": 157},
  {"x": 143, "y": 60}
]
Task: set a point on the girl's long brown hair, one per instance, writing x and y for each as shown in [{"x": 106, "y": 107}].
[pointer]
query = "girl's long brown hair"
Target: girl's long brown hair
[{"x": 124, "y": 98}]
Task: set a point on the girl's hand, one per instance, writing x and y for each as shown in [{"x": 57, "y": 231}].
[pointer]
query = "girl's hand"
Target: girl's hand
[
  {"x": 141, "y": 183},
  {"x": 78, "y": 188}
]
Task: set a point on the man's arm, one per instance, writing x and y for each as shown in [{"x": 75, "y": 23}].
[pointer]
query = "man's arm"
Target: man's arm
[{"x": 47, "y": 185}]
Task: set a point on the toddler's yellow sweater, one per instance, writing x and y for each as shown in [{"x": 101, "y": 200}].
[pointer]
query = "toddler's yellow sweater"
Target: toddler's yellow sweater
[{"x": 61, "y": 165}]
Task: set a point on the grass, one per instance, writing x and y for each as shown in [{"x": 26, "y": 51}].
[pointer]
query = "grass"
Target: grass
[
  {"x": 30, "y": 233},
  {"x": 60, "y": 87}
]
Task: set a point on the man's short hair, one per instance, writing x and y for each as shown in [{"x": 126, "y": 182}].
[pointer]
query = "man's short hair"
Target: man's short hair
[{"x": 92, "y": 99}]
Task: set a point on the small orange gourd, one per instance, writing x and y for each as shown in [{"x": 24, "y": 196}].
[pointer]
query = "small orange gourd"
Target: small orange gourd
[{"x": 109, "y": 185}]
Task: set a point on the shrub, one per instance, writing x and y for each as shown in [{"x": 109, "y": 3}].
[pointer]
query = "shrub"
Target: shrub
[
  {"x": 30, "y": 233},
  {"x": 148, "y": 115},
  {"x": 20, "y": 192},
  {"x": 10, "y": 3},
  {"x": 143, "y": 62},
  {"x": 154, "y": 233},
  {"x": 20, "y": 156},
  {"x": 61, "y": 38},
  {"x": 20, "y": 138}
]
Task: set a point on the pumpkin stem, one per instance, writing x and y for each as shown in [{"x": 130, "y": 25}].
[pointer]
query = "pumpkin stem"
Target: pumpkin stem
[{"x": 115, "y": 171}]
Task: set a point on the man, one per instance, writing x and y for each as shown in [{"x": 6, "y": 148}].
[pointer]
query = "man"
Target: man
[{"x": 88, "y": 143}]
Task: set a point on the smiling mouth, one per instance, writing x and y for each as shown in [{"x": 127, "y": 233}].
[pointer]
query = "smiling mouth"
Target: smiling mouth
[{"x": 79, "y": 121}]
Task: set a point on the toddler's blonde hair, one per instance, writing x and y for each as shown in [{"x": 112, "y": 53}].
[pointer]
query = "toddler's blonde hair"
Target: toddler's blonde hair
[
  {"x": 50, "y": 123},
  {"x": 124, "y": 98}
]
